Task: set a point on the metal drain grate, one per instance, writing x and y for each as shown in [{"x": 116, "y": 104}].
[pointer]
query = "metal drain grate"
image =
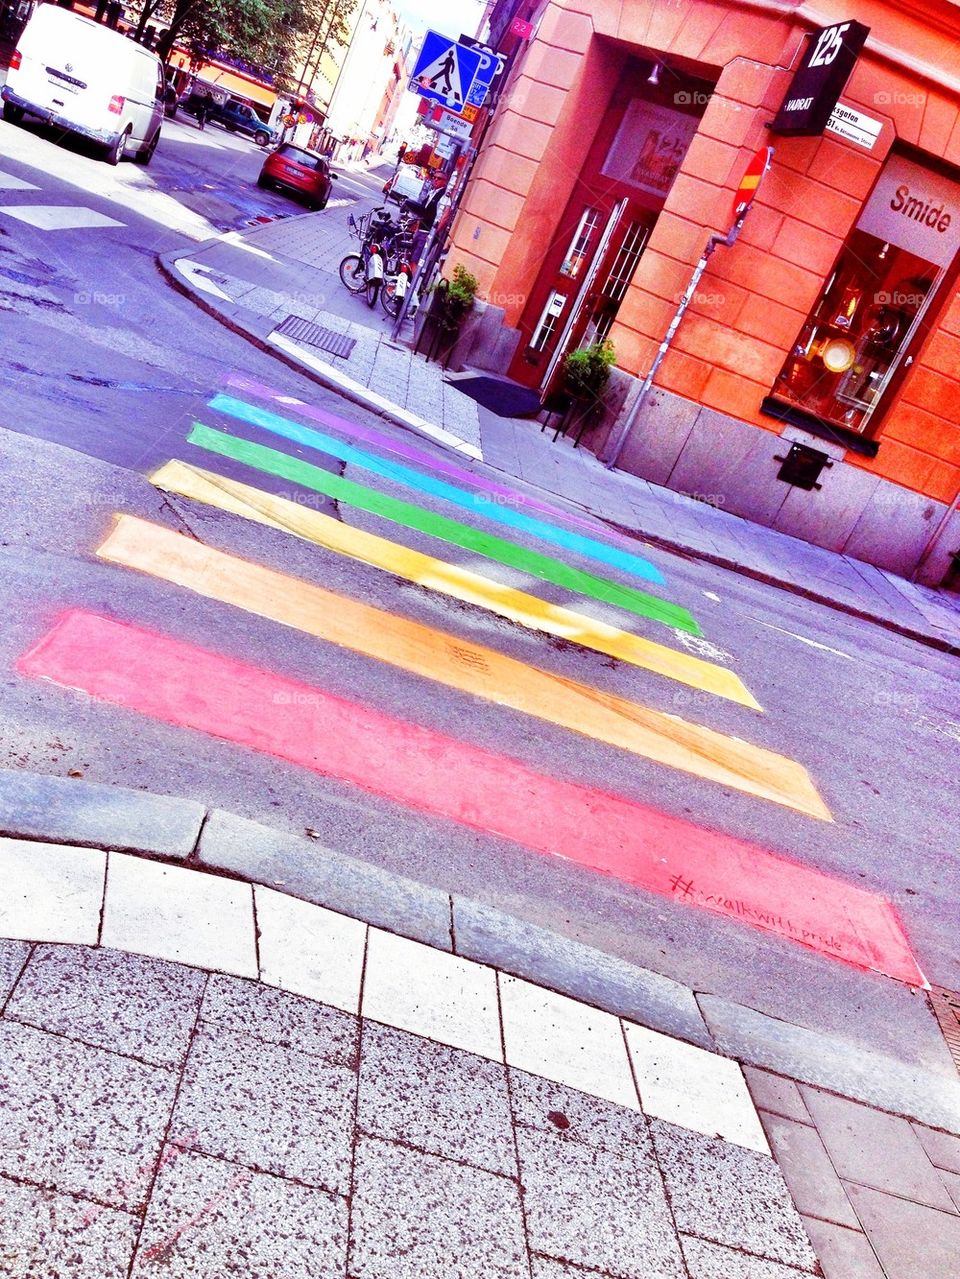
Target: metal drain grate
[
  {"x": 946, "y": 1009},
  {"x": 301, "y": 330}
]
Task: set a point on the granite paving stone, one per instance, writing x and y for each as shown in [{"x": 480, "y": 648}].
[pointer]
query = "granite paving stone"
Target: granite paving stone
[
  {"x": 309, "y": 951},
  {"x": 174, "y": 913},
  {"x": 550, "y": 1107},
  {"x": 80, "y": 1119},
  {"x": 13, "y": 956},
  {"x": 713, "y": 1261},
  {"x": 208, "y": 1219},
  {"x": 776, "y": 1095},
  {"x": 550, "y": 1268},
  {"x": 415, "y": 1215},
  {"x": 129, "y": 1004},
  {"x": 853, "y": 1134},
  {"x": 911, "y": 1240},
  {"x": 730, "y": 1195},
  {"x": 952, "y": 1182},
  {"x": 439, "y": 1099},
  {"x": 597, "y": 1208},
  {"x": 943, "y": 1148},
  {"x": 806, "y": 1167},
  {"x": 843, "y": 1253},
  {"x": 50, "y": 892},
  {"x": 278, "y": 1017},
  {"x": 270, "y": 1107},
  {"x": 45, "y": 1235}
]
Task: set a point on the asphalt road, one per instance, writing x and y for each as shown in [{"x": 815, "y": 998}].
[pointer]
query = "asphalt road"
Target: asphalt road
[{"x": 104, "y": 368}]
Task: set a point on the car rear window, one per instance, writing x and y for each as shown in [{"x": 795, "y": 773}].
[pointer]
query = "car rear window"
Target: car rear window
[{"x": 297, "y": 155}]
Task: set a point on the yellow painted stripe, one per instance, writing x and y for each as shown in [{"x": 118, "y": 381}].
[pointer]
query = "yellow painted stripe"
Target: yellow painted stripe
[
  {"x": 437, "y": 575},
  {"x": 459, "y": 664}
]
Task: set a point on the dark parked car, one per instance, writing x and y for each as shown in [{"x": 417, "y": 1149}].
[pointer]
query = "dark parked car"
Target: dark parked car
[
  {"x": 305, "y": 173},
  {"x": 235, "y": 116}
]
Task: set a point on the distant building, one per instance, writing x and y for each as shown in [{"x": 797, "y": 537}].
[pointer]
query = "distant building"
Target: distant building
[{"x": 373, "y": 76}]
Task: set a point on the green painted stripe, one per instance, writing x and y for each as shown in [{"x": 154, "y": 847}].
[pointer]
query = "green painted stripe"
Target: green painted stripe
[{"x": 416, "y": 517}]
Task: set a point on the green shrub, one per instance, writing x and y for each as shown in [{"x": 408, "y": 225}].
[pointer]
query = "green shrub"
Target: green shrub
[{"x": 586, "y": 371}]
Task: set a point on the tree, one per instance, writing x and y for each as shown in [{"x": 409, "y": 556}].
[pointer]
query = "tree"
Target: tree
[{"x": 264, "y": 33}]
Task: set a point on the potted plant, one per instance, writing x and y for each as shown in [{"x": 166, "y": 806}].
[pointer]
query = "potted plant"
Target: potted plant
[
  {"x": 451, "y": 301},
  {"x": 586, "y": 371}
]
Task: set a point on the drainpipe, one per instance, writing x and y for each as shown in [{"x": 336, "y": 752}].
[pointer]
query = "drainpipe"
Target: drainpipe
[{"x": 610, "y": 453}]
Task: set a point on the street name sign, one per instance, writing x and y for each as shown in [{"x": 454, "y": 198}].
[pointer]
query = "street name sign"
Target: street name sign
[{"x": 853, "y": 125}]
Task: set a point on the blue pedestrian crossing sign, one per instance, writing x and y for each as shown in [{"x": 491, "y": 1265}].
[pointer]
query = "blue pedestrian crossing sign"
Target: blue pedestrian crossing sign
[{"x": 445, "y": 71}]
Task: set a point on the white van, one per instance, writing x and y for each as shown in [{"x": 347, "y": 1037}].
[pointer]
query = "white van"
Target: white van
[{"x": 87, "y": 79}]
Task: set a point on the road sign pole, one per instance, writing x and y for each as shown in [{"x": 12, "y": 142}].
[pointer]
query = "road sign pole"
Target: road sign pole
[{"x": 609, "y": 455}]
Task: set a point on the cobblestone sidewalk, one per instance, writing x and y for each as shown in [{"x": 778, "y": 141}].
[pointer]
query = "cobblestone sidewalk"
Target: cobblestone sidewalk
[{"x": 205, "y": 1077}]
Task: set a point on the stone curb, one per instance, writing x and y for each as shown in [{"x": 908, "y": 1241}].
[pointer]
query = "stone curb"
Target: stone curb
[
  {"x": 221, "y": 842},
  {"x": 393, "y": 413},
  {"x": 347, "y": 389}
]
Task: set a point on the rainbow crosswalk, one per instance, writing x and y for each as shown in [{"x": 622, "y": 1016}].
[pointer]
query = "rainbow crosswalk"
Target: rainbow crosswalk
[{"x": 160, "y": 676}]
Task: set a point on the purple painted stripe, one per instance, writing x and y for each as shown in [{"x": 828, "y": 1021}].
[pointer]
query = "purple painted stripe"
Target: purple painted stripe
[{"x": 438, "y": 464}]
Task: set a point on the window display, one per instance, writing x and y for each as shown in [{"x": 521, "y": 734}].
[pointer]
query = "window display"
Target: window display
[{"x": 872, "y": 306}]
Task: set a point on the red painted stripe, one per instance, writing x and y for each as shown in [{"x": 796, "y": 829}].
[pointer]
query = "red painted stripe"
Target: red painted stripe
[{"x": 193, "y": 688}]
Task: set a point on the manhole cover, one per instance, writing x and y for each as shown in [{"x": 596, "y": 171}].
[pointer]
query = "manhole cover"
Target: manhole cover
[
  {"x": 946, "y": 1009},
  {"x": 301, "y": 330}
]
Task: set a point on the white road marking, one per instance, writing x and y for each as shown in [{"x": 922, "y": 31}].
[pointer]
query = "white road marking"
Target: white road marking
[
  {"x": 339, "y": 204},
  {"x": 710, "y": 596},
  {"x": 363, "y": 190},
  {"x": 703, "y": 648},
  {"x": 812, "y": 643},
  {"x": 58, "y": 217},
  {"x": 9, "y": 183},
  {"x": 236, "y": 238},
  {"x": 193, "y": 273}
]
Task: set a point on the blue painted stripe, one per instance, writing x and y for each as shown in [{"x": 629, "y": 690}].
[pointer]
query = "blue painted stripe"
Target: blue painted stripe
[{"x": 478, "y": 503}]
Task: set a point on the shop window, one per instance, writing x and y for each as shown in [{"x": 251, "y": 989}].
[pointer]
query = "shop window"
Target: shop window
[
  {"x": 871, "y": 310},
  {"x": 583, "y": 243}
]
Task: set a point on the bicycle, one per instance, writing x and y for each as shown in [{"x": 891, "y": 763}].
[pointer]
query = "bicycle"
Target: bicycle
[{"x": 363, "y": 272}]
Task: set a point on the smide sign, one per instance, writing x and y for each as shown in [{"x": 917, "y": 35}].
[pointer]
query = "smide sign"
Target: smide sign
[{"x": 818, "y": 81}]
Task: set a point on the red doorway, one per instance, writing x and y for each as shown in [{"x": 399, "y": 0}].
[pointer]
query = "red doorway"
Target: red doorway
[{"x": 618, "y": 195}]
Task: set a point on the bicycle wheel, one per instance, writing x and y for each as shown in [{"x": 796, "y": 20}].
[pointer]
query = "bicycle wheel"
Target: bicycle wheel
[
  {"x": 388, "y": 298},
  {"x": 352, "y": 273},
  {"x": 373, "y": 292}
]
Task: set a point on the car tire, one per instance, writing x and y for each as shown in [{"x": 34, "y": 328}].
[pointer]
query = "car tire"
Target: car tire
[
  {"x": 12, "y": 114},
  {"x": 145, "y": 154},
  {"x": 114, "y": 154},
  {"x": 352, "y": 273},
  {"x": 263, "y": 182},
  {"x": 261, "y": 138}
]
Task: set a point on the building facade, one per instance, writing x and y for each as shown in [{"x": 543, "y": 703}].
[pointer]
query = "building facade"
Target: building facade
[{"x": 813, "y": 384}]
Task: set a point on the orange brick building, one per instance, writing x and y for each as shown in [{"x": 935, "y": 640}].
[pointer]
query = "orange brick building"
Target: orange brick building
[{"x": 833, "y": 322}]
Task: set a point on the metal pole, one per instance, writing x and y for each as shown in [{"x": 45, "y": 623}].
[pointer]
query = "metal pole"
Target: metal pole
[
  {"x": 419, "y": 273},
  {"x": 610, "y": 453}
]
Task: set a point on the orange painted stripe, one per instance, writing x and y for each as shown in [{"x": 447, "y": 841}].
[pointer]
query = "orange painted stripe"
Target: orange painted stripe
[{"x": 459, "y": 664}]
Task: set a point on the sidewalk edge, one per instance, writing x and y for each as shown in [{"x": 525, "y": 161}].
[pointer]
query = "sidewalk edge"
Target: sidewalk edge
[
  {"x": 166, "y": 264},
  {"x": 238, "y": 848}
]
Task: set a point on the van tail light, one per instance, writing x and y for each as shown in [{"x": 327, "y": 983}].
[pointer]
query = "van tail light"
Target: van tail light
[
  {"x": 116, "y": 104},
  {"x": 15, "y": 59}
]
